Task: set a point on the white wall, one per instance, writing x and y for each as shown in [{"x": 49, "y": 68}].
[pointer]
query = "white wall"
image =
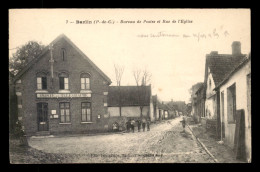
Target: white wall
[
  {"x": 113, "y": 111},
  {"x": 210, "y": 102},
  {"x": 210, "y": 108},
  {"x": 240, "y": 78},
  {"x": 151, "y": 110},
  {"x": 128, "y": 111},
  {"x": 157, "y": 113}
]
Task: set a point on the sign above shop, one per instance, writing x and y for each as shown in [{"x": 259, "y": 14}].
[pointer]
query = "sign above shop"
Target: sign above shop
[{"x": 63, "y": 95}]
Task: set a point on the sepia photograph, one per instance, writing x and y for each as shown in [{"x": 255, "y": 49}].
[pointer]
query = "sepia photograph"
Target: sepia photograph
[{"x": 129, "y": 86}]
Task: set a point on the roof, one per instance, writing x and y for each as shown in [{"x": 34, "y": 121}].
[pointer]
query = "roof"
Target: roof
[
  {"x": 222, "y": 64},
  {"x": 129, "y": 95},
  {"x": 241, "y": 64},
  {"x": 46, "y": 49}
]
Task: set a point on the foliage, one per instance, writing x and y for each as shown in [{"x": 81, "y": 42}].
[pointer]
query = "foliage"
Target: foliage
[
  {"x": 24, "y": 55},
  {"x": 144, "y": 77}
]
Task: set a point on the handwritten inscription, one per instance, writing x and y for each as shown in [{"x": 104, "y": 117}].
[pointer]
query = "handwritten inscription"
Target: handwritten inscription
[{"x": 198, "y": 36}]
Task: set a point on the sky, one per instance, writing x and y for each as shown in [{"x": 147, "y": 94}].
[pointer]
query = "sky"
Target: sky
[{"x": 169, "y": 43}]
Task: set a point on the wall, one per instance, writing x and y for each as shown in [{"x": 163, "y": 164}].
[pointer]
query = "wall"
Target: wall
[
  {"x": 128, "y": 111},
  {"x": 240, "y": 78},
  {"x": 151, "y": 110},
  {"x": 210, "y": 108},
  {"x": 210, "y": 102}
]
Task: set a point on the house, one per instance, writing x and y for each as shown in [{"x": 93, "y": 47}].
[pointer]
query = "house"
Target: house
[
  {"x": 132, "y": 101},
  {"x": 161, "y": 110},
  {"x": 179, "y": 106},
  {"x": 61, "y": 90},
  {"x": 199, "y": 104},
  {"x": 234, "y": 93},
  {"x": 171, "y": 110},
  {"x": 217, "y": 66},
  {"x": 194, "y": 101}
]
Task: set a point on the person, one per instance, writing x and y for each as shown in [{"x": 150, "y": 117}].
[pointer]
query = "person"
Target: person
[
  {"x": 183, "y": 123},
  {"x": 143, "y": 123},
  {"x": 115, "y": 126},
  {"x": 138, "y": 121},
  {"x": 148, "y": 124},
  {"x": 133, "y": 125},
  {"x": 128, "y": 125}
]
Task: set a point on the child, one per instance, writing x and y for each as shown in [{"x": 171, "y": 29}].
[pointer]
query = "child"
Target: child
[
  {"x": 183, "y": 123},
  {"x": 148, "y": 124},
  {"x": 143, "y": 123},
  {"x": 133, "y": 125},
  {"x": 138, "y": 124}
]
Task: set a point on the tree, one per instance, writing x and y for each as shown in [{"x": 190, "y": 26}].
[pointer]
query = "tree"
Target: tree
[
  {"x": 119, "y": 70},
  {"x": 144, "y": 77},
  {"x": 24, "y": 55}
]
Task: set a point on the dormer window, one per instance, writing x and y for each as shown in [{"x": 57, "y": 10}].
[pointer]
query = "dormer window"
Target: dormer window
[{"x": 63, "y": 54}]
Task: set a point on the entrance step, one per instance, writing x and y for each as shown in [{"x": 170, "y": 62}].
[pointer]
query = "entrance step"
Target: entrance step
[{"x": 42, "y": 133}]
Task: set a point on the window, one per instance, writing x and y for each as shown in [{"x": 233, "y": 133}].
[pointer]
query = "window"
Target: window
[
  {"x": 41, "y": 83},
  {"x": 63, "y": 54},
  {"x": 64, "y": 81},
  {"x": 231, "y": 104},
  {"x": 65, "y": 112},
  {"x": 85, "y": 81},
  {"x": 85, "y": 111}
]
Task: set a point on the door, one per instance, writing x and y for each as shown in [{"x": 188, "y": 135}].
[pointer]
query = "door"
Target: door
[{"x": 42, "y": 114}]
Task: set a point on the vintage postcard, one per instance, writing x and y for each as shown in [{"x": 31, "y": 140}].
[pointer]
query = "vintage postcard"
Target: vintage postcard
[{"x": 129, "y": 86}]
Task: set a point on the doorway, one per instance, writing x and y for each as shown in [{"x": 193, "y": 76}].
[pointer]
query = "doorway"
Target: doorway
[{"x": 42, "y": 116}]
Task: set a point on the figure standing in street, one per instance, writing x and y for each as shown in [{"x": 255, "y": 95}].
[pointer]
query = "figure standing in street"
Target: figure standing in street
[
  {"x": 138, "y": 124},
  {"x": 183, "y": 123},
  {"x": 148, "y": 124},
  {"x": 128, "y": 125},
  {"x": 143, "y": 123},
  {"x": 133, "y": 125}
]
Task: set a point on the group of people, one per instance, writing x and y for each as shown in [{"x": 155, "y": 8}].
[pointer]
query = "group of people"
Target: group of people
[{"x": 130, "y": 124}]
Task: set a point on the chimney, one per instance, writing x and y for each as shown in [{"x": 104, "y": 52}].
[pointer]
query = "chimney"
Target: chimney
[
  {"x": 236, "y": 48},
  {"x": 213, "y": 53}
]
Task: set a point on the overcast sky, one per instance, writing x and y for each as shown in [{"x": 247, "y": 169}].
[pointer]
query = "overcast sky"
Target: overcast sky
[{"x": 176, "y": 57}]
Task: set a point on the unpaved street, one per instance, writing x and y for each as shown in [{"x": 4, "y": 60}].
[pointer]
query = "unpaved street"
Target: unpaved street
[{"x": 164, "y": 143}]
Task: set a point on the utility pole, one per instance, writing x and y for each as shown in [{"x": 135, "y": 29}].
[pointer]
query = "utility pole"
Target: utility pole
[{"x": 51, "y": 62}]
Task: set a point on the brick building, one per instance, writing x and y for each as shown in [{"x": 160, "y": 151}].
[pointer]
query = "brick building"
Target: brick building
[{"x": 61, "y": 90}]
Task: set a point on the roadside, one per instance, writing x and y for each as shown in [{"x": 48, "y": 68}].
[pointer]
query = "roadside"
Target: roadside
[
  {"x": 27, "y": 155},
  {"x": 221, "y": 152}
]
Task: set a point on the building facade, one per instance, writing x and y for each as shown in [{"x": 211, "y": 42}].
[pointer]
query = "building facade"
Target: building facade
[
  {"x": 217, "y": 66},
  {"x": 61, "y": 90},
  {"x": 235, "y": 95}
]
